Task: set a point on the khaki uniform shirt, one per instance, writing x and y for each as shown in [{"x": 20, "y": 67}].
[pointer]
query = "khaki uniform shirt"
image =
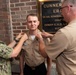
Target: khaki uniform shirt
[
  {"x": 63, "y": 48},
  {"x": 5, "y": 67},
  {"x": 33, "y": 57}
]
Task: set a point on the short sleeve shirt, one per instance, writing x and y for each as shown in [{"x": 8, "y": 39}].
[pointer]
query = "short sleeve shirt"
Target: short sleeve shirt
[
  {"x": 5, "y": 67},
  {"x": 33, "y": 56},
  {"x": 63, "y": 48}
]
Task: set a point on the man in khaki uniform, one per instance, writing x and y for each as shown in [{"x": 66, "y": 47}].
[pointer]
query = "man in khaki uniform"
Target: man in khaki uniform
[
  {"x": 63, "y": 44},
  {"x": 7, "y": 52},
  {"x": 33, "y": 60}
]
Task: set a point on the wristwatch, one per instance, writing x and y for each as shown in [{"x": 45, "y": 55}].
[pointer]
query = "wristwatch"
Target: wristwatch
[{"x": 16, "y": 40}]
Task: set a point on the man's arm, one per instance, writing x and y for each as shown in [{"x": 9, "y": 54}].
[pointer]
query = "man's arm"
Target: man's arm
[
  {"x": 49, "y": 62},
  {"x": 21, "y": 62},
  {"x": 18, "y": 47},
  {"x": 47, "y": 35},
  {"x": 13, "y": 43},
  {"x": 41, "y": 45},
  {"x": 8, "y": 52}
]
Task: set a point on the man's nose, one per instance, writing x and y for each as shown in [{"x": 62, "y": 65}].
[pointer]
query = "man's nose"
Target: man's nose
[{"x": 32, "y": 23}]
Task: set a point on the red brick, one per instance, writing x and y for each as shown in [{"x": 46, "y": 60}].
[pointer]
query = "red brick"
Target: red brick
[
  {"x": 14, "y": 9},
  {"x": 25, "y": 8},
  {"x": 15, "y": 16},
  {"x": 34, "y": 7},
  {"x": 13, "y": 13},
  {"x": 24, "y": 31},
  {"x": 14, "y": 28},
  {"x": 14, "y": 34},
  {"x": 14, "y": 20},
  {"x": 20, "y": 12},
  {"x": 14, "y": 1},
  {"x": 16, "y": 31},
  {"x": 18, "y": 20},
  {"x": 24, "y": 0},
  {"x": 19, "y": 4},
  {"x": 24, "y": 23},
  {"x": 11, "y": 5},
  {"x": 31, "y": 3},
  {"x": 16, "y": 24},
  {"x": 21, "y": 27},
  {"x": 32, "y": 11}
]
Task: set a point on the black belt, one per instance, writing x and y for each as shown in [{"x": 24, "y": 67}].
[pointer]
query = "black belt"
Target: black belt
[{"x": 33, "y": 68}]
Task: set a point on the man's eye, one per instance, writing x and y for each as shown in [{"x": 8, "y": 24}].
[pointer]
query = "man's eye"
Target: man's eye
[
  {"x": 29, "y": 21},
  {"x": 34, "y": 21}
]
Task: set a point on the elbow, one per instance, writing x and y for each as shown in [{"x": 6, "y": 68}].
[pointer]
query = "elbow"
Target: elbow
[
  {"x": 44, "y": 54},
  {"x": 14, "y": 55}
]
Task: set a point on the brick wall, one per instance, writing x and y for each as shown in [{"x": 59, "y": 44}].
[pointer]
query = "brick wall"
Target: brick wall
[
  {"x": 4, "y": 21},
  {"x": 13, "y": 17},
  {"x": 19, "y": 10}
]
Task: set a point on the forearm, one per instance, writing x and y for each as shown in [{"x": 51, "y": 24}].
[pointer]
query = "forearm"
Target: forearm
[
  {"x": 17, "y": 49},
  {"x": 50, "y": 36},
  {"x": 49, "y": 62},
  {"x": 42, "y": 48},
  {"x": 12, "y": 44},
  {"x": 16, "y": 40},
  {"x": 21, "y": 63}
]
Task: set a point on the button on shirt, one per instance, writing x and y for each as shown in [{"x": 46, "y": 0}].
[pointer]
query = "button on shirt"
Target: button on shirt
[{"x": 63, "y": 48}]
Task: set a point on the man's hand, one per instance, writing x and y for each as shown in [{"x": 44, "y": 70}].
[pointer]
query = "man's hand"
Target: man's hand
[
  {"x": 19, "y": 36},
  {"x": 46, "y": 34},
  {"x": 24, "y": 37},
  {"x": 39, "y": 36}
]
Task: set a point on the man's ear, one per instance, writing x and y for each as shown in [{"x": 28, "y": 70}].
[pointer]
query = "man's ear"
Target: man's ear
[
  {"x": 27, "y": 24},
  {"x": 38, "y": 23}
]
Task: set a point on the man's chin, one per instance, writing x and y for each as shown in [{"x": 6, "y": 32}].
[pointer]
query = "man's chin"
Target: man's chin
[
  {"x": 65, "y": 20},
  {"x": 33, "y": 29}
]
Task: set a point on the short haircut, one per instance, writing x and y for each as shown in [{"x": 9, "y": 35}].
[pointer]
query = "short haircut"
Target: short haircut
[
  {"x": 31, "y": 15},
  {"x": 73, "y": 2}
]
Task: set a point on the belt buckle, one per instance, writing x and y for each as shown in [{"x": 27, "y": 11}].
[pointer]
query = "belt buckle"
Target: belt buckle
[{"x": 33, "y": 68}]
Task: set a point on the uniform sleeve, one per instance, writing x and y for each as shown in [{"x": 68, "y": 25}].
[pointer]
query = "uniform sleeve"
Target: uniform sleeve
[
  {"x": 5, "y": 51},
  {"x": 58, "y": 44},
  {"x": 46, "y": 41}
]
